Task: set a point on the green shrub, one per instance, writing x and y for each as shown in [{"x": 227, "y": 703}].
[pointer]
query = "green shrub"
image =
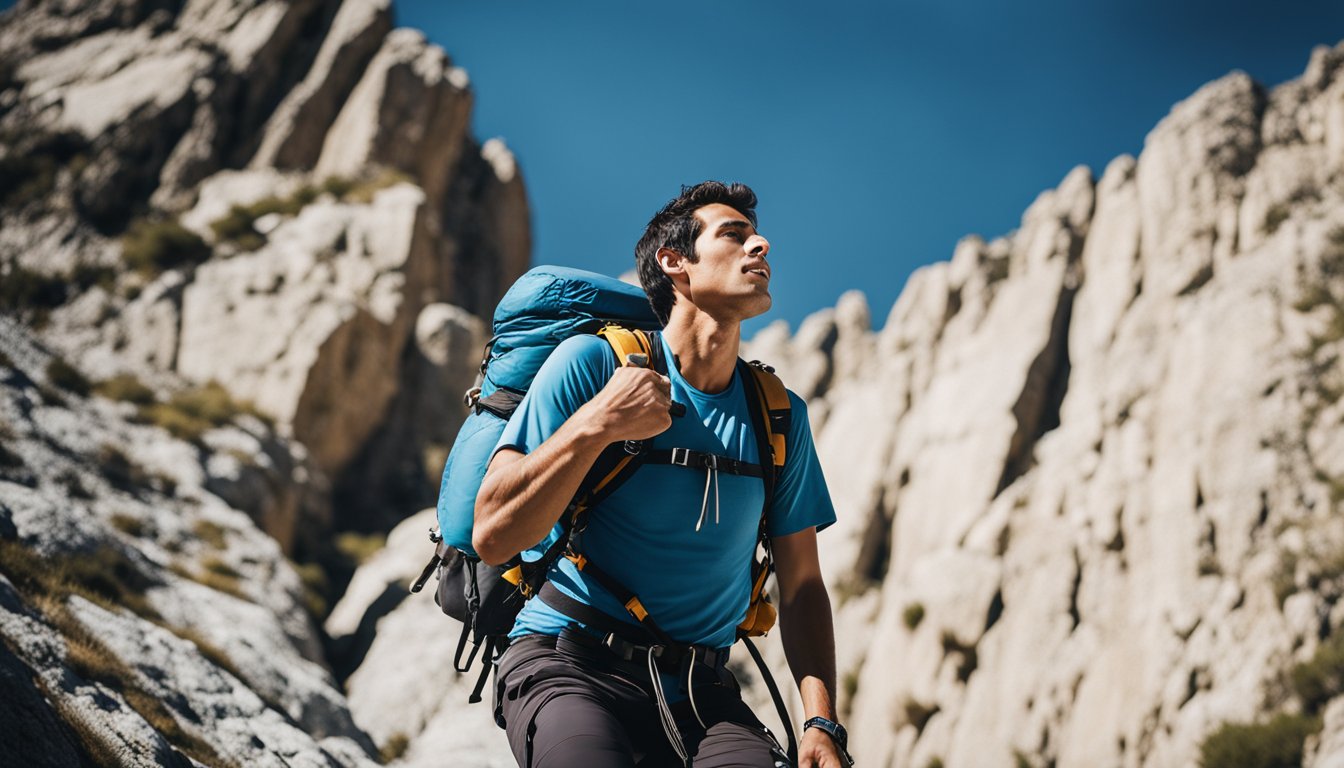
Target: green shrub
[
  {"x": 1322, "y": 678},
  {"x": 85, "y": 276},
  {"x": 913, "y": 615},
  {"x": 24, "y": 292},
  {"x": 190, "y": 413},
  {"x": 934, "y": 762},
  {"x": 126, "y": 388},
  {"x": 74, "y": 486},
  {"x": 316, "y": 586},
  {"x": 970, "y": 658},
  {"x": 1275, "y": 216},
  {"x": 120, "y": 470},
  {"x": 1275, "y": 744},
  {"x": 151, "y": 246},
  {"x": 236, "y": 227},
  {"x": 67, "y": 377},
  {"x": 359, "y": 547},
  {"x": 338, "y": 186},
  {"x": 363, "y": 191},
  {"x": 849, "y": 687},
  {"x": 918, "y": 714},
  {"x": 33, "y": 162}
]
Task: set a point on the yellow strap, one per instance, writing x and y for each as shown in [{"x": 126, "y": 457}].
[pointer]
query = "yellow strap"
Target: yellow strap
[
  {"x": 776, "y": 399},
  {"x": 636, "y": 609},
  {"x": 617, "y": 470},
  {"x": 579, "y": 560},
  {"x": 625, "y": 341}
]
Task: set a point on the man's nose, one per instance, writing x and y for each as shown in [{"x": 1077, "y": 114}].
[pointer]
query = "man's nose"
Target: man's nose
[{"x": 758, "y": 245}]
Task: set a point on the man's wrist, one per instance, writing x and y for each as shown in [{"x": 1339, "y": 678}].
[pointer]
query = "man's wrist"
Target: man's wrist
[{"x": 835, "y": 731}]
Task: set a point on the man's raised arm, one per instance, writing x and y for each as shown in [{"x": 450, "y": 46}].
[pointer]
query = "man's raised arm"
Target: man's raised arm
[{"x": 523, "y": 495}]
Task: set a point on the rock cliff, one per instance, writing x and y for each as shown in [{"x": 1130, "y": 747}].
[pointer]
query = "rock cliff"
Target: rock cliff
[
  {"x": 242, "y": 251},
  {"x": 1091, "y": 471}
]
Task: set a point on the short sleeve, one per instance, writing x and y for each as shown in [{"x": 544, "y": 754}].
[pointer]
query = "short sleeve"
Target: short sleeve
[
  {"x": 576, "y": 371},
  {"x": 802, "y": 499}
]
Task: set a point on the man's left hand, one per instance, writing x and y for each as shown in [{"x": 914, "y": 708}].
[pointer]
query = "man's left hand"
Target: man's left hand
[{"x": 818, "y": 751}]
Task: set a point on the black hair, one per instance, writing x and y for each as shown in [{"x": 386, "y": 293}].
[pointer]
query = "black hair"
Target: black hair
[{"x": 675, "y": 226}]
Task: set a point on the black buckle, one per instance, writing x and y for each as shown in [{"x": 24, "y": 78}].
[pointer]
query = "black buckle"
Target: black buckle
[{"x": 626, "y": 651}]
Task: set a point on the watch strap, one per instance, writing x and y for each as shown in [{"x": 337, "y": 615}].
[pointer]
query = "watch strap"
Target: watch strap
[{"x": 837, "y": 733}]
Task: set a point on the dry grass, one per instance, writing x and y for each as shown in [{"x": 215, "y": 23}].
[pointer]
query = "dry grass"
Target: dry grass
[
  {"x": 106, "y": 578},
  {"x": 209, "y": 650},
  {"x": 220, "y": 576},
  {"x": 191, "y": 413},
  {"x": 128, "y": 524},
  {"x": 211, "y": 534},
  {"x": 125, "y": 387},
  {"x": 394, "y": 747}
]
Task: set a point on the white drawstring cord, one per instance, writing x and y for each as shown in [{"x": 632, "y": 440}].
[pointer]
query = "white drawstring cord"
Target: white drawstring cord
[
  {"x": 690, "y": 692},
  {"x": 711, "y": 473},
  {"x": 664, "y": 712},
  {"x": 716, "y": 495}
]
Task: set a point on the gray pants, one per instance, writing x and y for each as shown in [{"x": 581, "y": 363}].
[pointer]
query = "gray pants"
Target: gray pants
[{"x": 568, "y": 702}]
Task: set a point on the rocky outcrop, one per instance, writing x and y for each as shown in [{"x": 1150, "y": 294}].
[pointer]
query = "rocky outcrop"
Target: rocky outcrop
[
  {"x": 242, "y": 251},
  {"x": 364, "y": 200},
  {"x": 148, "y": 615},
  {"x": 1089, "y": 476}
]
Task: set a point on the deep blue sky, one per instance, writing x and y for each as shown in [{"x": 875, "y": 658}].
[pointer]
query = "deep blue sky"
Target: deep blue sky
[{"x": 875, "y": 133}]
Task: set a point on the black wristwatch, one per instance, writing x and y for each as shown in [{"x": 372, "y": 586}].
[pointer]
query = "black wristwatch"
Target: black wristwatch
[{"x": 837, "y": 733}]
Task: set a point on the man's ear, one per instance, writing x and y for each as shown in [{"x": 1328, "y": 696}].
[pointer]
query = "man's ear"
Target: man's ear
[{"x": 672, "y": 262}]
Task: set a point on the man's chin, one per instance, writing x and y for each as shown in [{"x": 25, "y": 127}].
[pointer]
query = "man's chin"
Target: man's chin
[{"x": 760, "y": 306}]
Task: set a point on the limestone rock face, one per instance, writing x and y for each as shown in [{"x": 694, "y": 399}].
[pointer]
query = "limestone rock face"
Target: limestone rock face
[
  {"x": 364, "y": 200},
  {"x": 244, "y": 247},
  {"x": 150, "y": 615},
  {"x": 423, "y": 700},
  {"x": 1087, "y": 481}
]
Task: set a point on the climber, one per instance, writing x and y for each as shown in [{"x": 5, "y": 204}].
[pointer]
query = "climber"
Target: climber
[{"x": 592, "y": 680}]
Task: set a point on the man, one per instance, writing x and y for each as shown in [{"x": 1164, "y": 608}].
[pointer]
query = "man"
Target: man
[{"x": 683, "y": 547}]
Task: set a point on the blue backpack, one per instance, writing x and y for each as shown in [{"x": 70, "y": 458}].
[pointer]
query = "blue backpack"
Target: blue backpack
[{"x": 543, "y": 308}]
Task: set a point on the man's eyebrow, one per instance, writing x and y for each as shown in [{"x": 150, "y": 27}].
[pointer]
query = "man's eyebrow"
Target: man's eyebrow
[{"x": 734, "y": 223}]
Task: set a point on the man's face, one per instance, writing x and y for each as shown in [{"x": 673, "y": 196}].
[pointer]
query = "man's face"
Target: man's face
[{"x": 731, "y": 278}]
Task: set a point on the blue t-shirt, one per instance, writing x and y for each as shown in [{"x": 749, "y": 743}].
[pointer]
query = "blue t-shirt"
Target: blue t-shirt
[{"x": 695, "y": 584}]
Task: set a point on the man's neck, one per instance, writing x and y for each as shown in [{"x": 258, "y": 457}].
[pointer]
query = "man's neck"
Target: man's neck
[{"x": 706, "y": 349}]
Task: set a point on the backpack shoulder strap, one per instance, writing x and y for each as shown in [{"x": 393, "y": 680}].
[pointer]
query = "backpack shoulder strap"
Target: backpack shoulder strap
[
  {"x": 613, "y": 467},
  {"x": 772, "y": 415},
  {"x": 633, "y": 341}
]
